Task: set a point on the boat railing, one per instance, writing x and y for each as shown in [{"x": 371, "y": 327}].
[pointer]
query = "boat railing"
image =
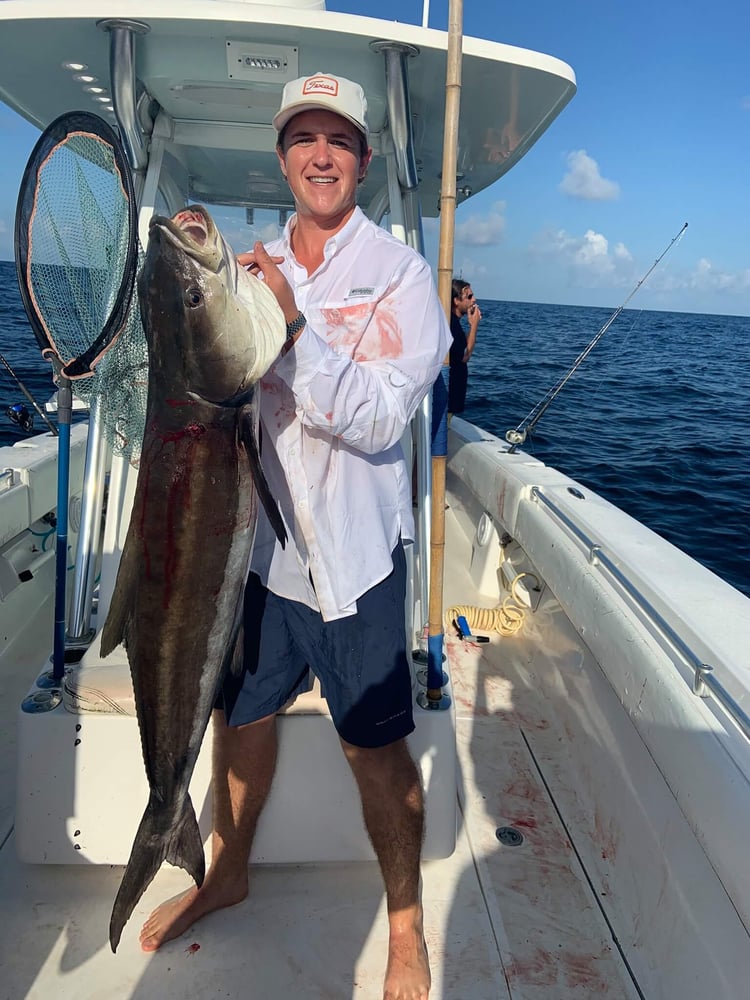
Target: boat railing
[{"x": 705, "y": 682}]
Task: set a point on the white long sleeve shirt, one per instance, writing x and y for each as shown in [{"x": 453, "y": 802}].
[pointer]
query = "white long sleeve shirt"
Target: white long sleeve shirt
[{"x": 334, "y": 408}]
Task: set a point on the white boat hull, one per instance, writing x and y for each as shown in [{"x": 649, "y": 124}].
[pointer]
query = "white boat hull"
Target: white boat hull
[
  {"x": 82, "y": 786},
  {"x": 581, "y": 733}
]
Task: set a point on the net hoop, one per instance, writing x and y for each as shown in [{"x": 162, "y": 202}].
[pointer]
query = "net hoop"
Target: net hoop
[{"x": 61, "y": 131}]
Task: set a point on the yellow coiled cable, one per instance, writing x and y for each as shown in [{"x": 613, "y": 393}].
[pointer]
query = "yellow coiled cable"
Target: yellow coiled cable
[{"x": 506, "y": 619}]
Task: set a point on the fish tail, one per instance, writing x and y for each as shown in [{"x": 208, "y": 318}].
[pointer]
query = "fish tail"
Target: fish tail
[{"x": 157, "y": 840}]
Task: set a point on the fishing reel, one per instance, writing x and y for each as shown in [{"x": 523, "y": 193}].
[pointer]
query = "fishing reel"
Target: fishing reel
[
  {"x": 515, "y": 437},
  {"x": 18, "y": 414}
]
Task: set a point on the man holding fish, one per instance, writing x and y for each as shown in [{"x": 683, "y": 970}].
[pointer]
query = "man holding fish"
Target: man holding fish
[{"x": 366, "y": 338}]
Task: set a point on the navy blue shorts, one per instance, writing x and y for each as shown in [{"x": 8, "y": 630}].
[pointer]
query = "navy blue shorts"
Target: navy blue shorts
[{"x": 360, "y": 660}]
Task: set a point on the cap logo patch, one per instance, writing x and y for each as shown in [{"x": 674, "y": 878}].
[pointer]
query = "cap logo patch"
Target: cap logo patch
[{"x": 321, "y": 85}]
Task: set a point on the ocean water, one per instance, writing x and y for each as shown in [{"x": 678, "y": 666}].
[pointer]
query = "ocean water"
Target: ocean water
[{"x": 657, "y": 419}]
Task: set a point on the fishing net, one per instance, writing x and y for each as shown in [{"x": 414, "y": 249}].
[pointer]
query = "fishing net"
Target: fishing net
[
  {"x": 120, "y": 380},
  {"x": 76, "y": 258}
]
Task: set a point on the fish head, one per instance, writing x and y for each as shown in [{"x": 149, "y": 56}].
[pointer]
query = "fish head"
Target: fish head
[{"x": 210, "y": 325}]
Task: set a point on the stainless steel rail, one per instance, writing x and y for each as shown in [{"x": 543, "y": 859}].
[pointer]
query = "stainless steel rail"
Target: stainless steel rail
[
  {"x": 704, "y": 682},
  {"x": 79, "y": 632},
  {"x": 396, "y": 58},
  {"x": 399, "y": 108},
  {"x": 123, "y": 83}
]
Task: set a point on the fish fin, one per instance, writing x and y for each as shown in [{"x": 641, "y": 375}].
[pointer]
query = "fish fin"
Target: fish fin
[
  {"x": 120, "y": 611},
  {"x": 154, "y": 843},
  {"x": 248, "y": 423},
  {"x": 252, "y": 602},
  {"x": 236, "y": 665},
  {"x": 233, "y": 668}
]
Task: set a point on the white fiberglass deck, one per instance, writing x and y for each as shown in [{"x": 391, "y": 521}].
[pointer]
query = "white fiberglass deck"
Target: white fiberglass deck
[{"x": 531, "y": 922}]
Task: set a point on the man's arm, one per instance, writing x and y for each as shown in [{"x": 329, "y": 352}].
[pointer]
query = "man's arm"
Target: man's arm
[{"x": 475, "y": 316}]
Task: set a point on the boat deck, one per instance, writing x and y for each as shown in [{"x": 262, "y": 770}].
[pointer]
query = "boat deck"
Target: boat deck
[{"x": 501, "y": 921}]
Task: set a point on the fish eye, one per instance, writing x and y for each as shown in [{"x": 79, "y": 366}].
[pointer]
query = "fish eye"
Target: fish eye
[{"x": 194, "y": 297}]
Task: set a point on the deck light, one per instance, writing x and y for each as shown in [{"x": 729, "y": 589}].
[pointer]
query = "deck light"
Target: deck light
[{"x": 261, "y": 62}]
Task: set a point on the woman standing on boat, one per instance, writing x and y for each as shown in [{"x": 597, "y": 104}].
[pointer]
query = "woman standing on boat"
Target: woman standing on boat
[
  {"x": 366, "y": 338},
  {"x": 464, "y": 304}
]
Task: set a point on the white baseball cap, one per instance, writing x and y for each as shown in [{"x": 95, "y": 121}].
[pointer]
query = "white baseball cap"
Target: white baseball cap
[{"x": 322, "y": 90}]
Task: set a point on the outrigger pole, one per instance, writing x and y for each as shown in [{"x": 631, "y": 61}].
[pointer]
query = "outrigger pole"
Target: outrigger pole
[{"x": 434, "y": 698}]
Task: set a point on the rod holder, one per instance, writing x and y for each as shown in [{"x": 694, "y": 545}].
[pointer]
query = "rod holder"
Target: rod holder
[
  {"x": 422, "y": 677},
  {"x": 433, "y": 700}
]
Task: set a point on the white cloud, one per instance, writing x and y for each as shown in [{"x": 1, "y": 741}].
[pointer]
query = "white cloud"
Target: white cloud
[
  {"x": 621, "y": 252},
  {"x": 591, "y": 263},
  {"x": 483, "y": 230},
  {"x": 242, "y": 237},
  {"x": 271, "y": 231},
  {"x": 589, "y": 259},
  {"x": 7, "y": 249},
  {"x": 704, "y": 277},
  {"x": 469, "y": 269},
  {"x": 745, "y": 103},
  {"x": 583, "y": 179}
]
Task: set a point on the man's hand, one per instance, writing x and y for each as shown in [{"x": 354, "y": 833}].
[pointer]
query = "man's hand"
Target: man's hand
[
  {"x": 474, "y": 314},
  {"x": 258, "y": 262}
]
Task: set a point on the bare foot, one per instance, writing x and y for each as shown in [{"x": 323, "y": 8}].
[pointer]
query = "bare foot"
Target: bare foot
[
  {"x": 178, "y": 914},
  {"x": 408, "y": 974}
]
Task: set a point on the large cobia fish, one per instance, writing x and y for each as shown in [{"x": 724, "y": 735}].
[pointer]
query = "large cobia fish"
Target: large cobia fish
[{"x": 213, "y": 330}]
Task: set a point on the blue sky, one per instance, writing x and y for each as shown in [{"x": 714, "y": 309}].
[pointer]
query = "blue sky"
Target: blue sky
[{"x": 657, "y": 135}]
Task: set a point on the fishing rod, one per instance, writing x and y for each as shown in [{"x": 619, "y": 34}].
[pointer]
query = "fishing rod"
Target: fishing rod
[
  {"x": 28, "y": 395},
  {"x": 518, "y": 435}
]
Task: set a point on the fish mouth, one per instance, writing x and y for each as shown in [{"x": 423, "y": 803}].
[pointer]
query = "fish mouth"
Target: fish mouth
[
  {"x": 194, "y": 224},
  {"x": 193, "y": 232}
]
